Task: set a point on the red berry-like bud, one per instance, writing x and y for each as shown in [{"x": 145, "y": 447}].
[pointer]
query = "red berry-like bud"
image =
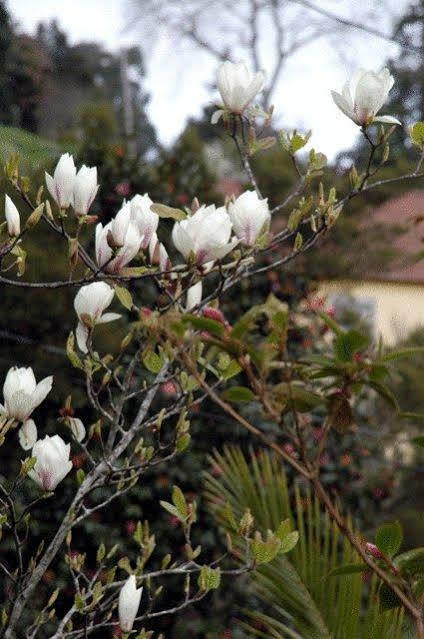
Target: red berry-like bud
[
  {"x": 372, "y": 549},
  {"x": 214, "y": 313}
]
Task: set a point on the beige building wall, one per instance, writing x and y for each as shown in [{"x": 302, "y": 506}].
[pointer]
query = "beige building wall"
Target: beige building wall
[{"x": 398, "y": 307}]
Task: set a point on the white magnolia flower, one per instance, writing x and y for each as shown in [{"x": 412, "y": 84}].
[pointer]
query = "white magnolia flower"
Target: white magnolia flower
[
  {"x": 90, "y": 302},
  {"x": 12, "y": 217},
  {"x": 237, "y": 87},
  {"x": 61, "y": 185},
  {"x": 204, "y": 235},
  {"x": 249, "y": 215},
  {"x": 77, "y": 427},
  {"x": 145, "y": 220},
  {"x": 129, "y": 602},
  {"x": 22, "y": 394},
  {"x": 194, "y": 296},
  {"x": 159, "y": 255},
  {"x": 119, "y": 225},
  {"x": 85, "y": 189},
  {"x": 363, "y": 97},
  {"x": 53, "y": 463},
  {"x": 121, "y": 233},
  {"x": 28, "y": 434}
]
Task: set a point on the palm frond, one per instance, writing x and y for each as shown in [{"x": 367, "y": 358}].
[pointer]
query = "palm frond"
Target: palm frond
[{"x": 300, "y": 601}]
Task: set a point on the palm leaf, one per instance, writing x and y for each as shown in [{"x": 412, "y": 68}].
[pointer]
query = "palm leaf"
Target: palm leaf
[{"x": 299, "y": 599}]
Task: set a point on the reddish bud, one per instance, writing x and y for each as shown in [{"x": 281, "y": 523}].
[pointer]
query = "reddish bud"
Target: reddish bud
[
  {"x": 372, "y": 550},
  {"x": 123, "y": 188},
  {"x": 168, "y": 388},
  {"x": 214, "y": 314},
  {"x": 130, "y": 527}
]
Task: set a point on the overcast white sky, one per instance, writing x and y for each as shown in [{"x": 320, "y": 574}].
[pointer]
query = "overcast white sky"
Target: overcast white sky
[{"x": 179, "y": 84}]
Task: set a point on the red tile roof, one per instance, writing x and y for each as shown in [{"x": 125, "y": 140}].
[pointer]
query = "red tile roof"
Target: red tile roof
[{"x": 406, "y": 211}]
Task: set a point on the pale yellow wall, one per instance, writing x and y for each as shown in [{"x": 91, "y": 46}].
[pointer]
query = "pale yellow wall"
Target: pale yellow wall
[{"x": 399, "y": 308}]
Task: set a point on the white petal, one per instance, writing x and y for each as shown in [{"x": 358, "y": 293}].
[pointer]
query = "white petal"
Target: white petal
[
  {"x": 194, "y": 295},
  {"x": 43, "y": 389},
  {"x": 387, "y": 119},
  {"x": 77, "y": 428},
  {"x": 28, "y": 434},
  {"x": 217, "y": 115},
  {"x": 343, "y": 105},
  {"x": 108, "y": 317},
  {"x": 81, "y": 333}
]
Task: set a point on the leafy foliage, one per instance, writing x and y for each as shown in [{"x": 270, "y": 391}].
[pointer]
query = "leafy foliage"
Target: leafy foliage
[{"x": 301, "y": 600}]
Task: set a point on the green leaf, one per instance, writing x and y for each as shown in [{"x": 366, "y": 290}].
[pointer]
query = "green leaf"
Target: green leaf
[
  {"x": 232, "y": 370},
  {"x": 388, "y": 538},
  {"x": 265, "y": 550},
  {"x": 182, "y": 442},
  {"x": 384, "y": 392},
  {"x": 416, "y": 133},
  {"x": 289, "y": 541},
  {"x": 238, "y": 394},
  {"x": 401, "y": 353},
  {"x": 124, "y": 296},
  {"x": 411, "y": 562},
  {"x": 298, "y": 241},
  {"x": 209, "y": 578},
  {"x": 317, "y": 161},
  {"x": 101, "y": 553},
  {"x": 418, "y": 588},
  {"x": 348, "y": 569},
  {"x": 205, "y": 324},
  {"x": 179, "y": 502},
  {"x": 152, "y": 362},
  {"x": 72, "y": 356},
  {"x": 347, "y": 344},
  {"x": 171, "y": 509},
  {"x": 79, "y": 602},
  {"x": 168, "y": 212}
]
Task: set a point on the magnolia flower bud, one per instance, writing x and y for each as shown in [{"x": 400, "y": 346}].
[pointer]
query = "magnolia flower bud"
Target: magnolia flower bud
[
  {"x": 249, "y": 216},
  {"x": 90, "y": 302},
  {"x": 119, "y": 225},
  {"x": 12, "y": 217},
  {"x": 372, "y": 549},
  {"x": 363, "y": 97},
  {"x": 237, "y": 87},
  {"x": 52, "y": 462},
  {"x": 28, "y": 434},
  {"x": 205, "y": 235},
  {"x": 121, "y": 233},
  {"x": 22, "y": 394},
  {"x": 194, "y": 295},
  {"x": 61, "y": 185},
  {"x": 77, "y": 427},
  {"x": 144, "y": 219},
  {"x": 85, "y": 189},
  {"x": 129, "y": 602}
]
